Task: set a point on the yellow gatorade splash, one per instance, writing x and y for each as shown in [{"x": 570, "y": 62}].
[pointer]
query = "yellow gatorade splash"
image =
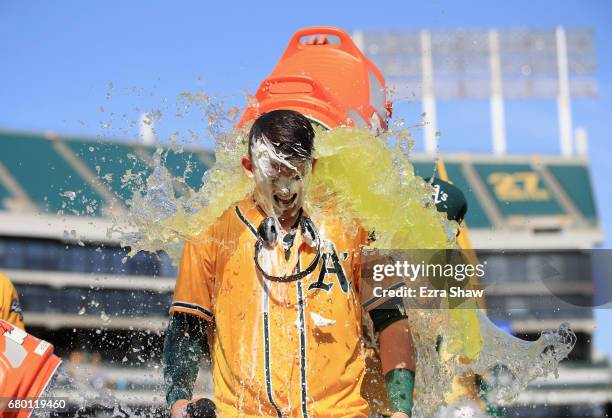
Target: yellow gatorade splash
[
  {"x": 368, "y": 179},
  {"x": 359, "y": 175},
  {"x": 363, "y": 177}
]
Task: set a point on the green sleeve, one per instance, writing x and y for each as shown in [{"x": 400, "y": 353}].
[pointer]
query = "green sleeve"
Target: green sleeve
[
  {"x": 184, "y": 347},
  {"x": 400, "y": 385}
]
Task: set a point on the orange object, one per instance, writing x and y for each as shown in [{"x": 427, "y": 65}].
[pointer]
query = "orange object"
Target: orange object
[
  {"x": 331, "y": 82},
  {"x": 27, "y": 365}
]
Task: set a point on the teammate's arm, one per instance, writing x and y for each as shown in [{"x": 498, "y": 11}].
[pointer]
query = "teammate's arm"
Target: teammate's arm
[
  {"x": 398, "y": 363},
  {"x": 184, "y": 347}
]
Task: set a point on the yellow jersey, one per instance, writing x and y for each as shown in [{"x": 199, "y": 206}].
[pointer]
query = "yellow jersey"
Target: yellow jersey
[
  {"x": 10, "y": 309},
  {"x": 279, "y": 349}
]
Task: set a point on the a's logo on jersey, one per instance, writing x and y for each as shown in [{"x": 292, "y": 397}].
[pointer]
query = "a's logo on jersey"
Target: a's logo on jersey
[
  {"x": 16, "y": 307},
  {"x": 439, "y": 195},
  {"x": 330, "y": 264}
]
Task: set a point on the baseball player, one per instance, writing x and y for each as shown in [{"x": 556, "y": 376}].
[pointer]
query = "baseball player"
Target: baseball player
[
  {"x": 27, "y": 364},
  {"x": 276, "y": 293}
]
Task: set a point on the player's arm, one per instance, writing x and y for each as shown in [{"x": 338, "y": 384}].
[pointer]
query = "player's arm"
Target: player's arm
[
  {"x": 397, "y": 356},
  {"x": 184, "y": 347},
  {"x": 396, "y": 347},
  {"x": 190, "y": 313}
]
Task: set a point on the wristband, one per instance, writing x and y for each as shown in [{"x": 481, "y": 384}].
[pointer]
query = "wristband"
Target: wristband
[{"x": 400, "y": 385}]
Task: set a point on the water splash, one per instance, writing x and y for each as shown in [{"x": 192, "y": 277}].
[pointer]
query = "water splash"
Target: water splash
[
  {"x": 508, "y": 364},
  {"x": 356, "y": 174},
  {"x": 167, "y": 211}
]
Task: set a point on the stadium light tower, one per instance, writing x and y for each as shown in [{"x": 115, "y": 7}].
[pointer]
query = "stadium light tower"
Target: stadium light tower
[
  {"x": 498, "y": 120},
  {"x": 147, "y": 134},
  {"x": 563, "y": 97},
  {"x": 429, "y": 99},
  {"x": 487, "y": 64}
]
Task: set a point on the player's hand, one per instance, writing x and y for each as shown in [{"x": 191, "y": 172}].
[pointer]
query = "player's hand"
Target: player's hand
[
  {"x": 400, "y": 415},
  {"x": 179, "y": 408}
]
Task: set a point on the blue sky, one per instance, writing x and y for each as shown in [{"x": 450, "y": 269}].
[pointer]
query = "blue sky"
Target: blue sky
[{"x": 58, "y": 58}]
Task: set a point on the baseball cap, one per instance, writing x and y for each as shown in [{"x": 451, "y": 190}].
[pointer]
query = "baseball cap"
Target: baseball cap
[{"x": 449, "y": 199}]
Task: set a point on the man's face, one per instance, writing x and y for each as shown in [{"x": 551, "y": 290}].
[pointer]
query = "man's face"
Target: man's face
[{"x": 280, "y": 182}]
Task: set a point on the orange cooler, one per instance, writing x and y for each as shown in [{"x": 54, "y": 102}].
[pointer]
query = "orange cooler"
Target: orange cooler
[{"x": 333, "y": 83}]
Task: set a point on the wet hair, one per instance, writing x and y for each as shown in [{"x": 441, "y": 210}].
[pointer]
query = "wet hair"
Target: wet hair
[{"x": 289, "y": 132}]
